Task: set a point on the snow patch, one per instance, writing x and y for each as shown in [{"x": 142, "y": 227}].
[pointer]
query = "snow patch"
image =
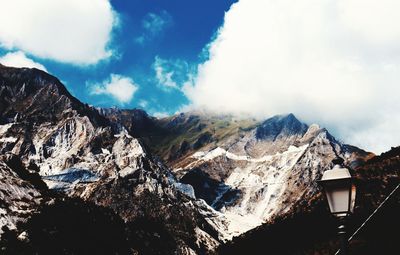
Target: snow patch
[
  {"x": 217, "y": 152},
  {"x": 105, "y": 151},
  {"x": 8, "y": 139},
  {"x": 261, "y": 182},
  {"x": 4, "y": 128},
  {"x": 239, "y": 224}
]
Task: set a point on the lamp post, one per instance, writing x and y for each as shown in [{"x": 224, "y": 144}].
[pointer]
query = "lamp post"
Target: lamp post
[{"x": 340, "y": 192}]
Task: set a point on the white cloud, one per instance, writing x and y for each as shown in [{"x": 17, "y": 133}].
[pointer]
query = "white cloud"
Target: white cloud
[
  {"x": 70, "y": 31},
  {"x": 160, "y": 115},
  {"x": 143, "y": 103},
  {"x": 119, "y": 87},
  {"x": 19, "y": 59},
  {"x": 332, "y": 62},
  {"x": 172, "y": 73},
  {"x": 153, "y": 25},
  {"x": 163, "y": 75}
]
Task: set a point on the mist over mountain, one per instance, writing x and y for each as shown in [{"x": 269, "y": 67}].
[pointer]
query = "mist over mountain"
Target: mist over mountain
[{"x": 192, "y": 183}]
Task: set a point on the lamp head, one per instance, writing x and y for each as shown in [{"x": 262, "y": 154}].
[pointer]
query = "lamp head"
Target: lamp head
[{"x": 340, "y": 190}]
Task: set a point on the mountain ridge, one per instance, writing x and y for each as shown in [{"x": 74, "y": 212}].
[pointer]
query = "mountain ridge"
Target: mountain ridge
[
  {"x": 230, "y": 174},
  {"x": 280, "y": 149},
  {"x": 65, "y": 140}
]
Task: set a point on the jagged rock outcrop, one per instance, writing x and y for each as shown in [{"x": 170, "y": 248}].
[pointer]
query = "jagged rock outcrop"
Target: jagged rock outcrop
[
  {"x": 310, "y": 229},
  {"x": 248, "y": 171},
  {"x": 228, "y": 174},
  {"x": 21, "y": 192},
  {"x": 78, "y": 151}
]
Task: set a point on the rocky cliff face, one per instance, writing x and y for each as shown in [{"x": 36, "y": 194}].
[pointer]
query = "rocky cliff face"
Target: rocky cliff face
[
  {"x": 79, "y": 152},
  {"x": 21, "y": 192},
  {"x": 259, "y": 178},
  {"x": 249, "y": 172},
  {"x": 212, "y": 177},
  {"x": 310, "y": 229}
]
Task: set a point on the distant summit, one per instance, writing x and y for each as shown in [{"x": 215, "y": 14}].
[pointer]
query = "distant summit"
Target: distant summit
[
  {"x": 249, "y": 171},
  {"x": 280, "y": 125},
  {"x": 211, "y": 177}
]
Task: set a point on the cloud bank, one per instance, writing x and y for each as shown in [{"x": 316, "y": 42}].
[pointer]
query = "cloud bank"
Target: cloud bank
[
  {"x": 336, "y": 63},
  {"x": 19, "y": 59},
  {"x": 70, "y": 31},
  {"x": 121, "y": 88}
]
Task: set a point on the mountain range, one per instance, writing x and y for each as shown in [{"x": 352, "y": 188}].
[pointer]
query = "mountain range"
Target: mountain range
[{"x": 191, "y": 183}]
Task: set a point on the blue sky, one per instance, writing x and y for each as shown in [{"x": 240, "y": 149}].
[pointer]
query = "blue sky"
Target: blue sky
[
  {"x": 168, "y": 36},
  {"x": 335, "y": 63}
]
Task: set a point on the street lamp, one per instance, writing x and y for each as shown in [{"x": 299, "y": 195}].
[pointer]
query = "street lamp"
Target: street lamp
[{"x": 341, "y": 193}]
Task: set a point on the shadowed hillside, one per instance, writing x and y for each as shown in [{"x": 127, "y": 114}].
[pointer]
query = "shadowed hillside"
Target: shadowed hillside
[{"x": 310, "y": 229}]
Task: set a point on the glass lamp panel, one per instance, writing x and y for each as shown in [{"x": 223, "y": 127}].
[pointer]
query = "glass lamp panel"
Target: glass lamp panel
[
  {"x": 353, "y": 198},
  {"x": 338, "y": 199}
]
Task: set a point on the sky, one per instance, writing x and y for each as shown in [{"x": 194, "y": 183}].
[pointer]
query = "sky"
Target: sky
[
  {"x": 331, "y": 62},
  {"x": 113, "y": 53}
]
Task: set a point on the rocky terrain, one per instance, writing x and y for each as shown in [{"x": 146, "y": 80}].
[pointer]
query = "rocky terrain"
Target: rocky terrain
[
  {"x": 183, "y": 184},
  {"x": 248, "y": 171},
  {"x": 21, "y": 191},
  {"x": 309, "y": 228},
  {"x": 80, "y": 153}
]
